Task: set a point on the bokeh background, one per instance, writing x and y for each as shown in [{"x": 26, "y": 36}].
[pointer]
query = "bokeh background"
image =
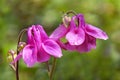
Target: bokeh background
[{"x": 102, "y": 63}]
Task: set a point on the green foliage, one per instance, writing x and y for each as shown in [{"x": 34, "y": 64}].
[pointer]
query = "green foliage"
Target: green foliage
[{"x": 100, "y": 64}]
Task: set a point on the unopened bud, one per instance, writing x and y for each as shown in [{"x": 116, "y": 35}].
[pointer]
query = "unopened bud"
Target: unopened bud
[
  {"x": 66, "y": 20},
  {"x": 11, "y": 55},
  {"x": 21, "y": 46}
]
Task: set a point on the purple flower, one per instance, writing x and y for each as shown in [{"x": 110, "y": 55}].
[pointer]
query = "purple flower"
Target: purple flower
[
  {"x": 80, "y": 37},
  {"x": 39, "y": 47}
]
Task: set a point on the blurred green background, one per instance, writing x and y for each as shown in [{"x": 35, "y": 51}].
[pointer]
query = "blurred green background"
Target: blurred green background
[{"x": 102, "y": 63}]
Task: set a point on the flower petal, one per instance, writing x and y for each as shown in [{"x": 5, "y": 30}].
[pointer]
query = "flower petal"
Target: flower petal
[
  {"x": 29, "y": 36},
  {"x": 42, "y": 56},
  {"x": 36, "y": 34},
  {"x": 29, "y": 55},
  {"x": 89, "y": 43},
  {"x": 52, "y": 48},
  {"x": 66, "y": 46},
  {"x": 72, "y": 23},
  {"x": 95, "y": 32},
  {"x": 43, "y": 34},
  {"x": 59, "y": 32},
  {"x": 76, "y": 36},
  {"x": 69, "y": 47},
  {"x": 81, "y": 20}
]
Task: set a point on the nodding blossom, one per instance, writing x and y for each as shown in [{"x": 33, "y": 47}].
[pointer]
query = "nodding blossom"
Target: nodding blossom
[
  {"x": 80, "y": 35},
  {"x": 39, "y": 47}
]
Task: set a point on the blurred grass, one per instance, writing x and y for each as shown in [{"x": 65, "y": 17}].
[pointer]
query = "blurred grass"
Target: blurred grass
[{"x": 100, "y": 64}]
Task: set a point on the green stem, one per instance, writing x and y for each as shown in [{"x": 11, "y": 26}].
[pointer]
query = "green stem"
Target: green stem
[
  {"x": 17, "y": 63},
  {"x": 53, "y": 68},
  {"x": 71, "y": 11},
  {"x": 48, "y": 68}
]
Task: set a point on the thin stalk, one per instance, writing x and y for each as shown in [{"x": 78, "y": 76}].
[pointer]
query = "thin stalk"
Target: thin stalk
[
  {"x": 48, "y": 68},
  {"x": 17, "y": 63},
  {"x": 71, "y": 11},
  {"x": 53, "y": 68}
]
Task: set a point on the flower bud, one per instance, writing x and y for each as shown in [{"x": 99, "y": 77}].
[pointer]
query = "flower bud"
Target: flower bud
[
  {"x": 11, "y": 55},
  {"x": 66, "y": 20},
  {"x": 21, "y": 45}
]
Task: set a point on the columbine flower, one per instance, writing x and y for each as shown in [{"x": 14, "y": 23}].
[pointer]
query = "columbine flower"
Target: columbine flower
[
  {"x": 80, "y": 36},
  {"x": 39, "y": 47}
]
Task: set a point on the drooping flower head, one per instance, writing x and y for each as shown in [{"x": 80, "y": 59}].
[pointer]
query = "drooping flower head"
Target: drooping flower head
[
  {"x": 80, "y": 36},
  {"x": 39, "y": 47}
]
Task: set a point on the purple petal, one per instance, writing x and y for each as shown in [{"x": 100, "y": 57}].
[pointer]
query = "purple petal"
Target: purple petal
[
  {"x": 61, "y": 44},
  {"x": 95, "y": 32},
  {"x": 76, "y": 36},
  {"x": 29, "y": 35},
  {"x": 42, "y": 56},
  {"x": 66, "y": 46},
  {"x": 29, "y": 55},
  {"x": 59, "y": 32},
  {"x": 69, "y": 47},
  {"x": 43, "y": 34},
  {"x": 52, "y": 48},
  {"x": 81, "y": 20},
  {"x": 72, "y": 23},
  {"x": 90, "y": 43},
  {"x": 36, "y": 35}
]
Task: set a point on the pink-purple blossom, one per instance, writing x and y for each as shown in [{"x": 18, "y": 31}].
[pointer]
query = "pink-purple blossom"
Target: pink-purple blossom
[
  {"x": 39, "y": 47},
  {"x": 80, "y": 37}
]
